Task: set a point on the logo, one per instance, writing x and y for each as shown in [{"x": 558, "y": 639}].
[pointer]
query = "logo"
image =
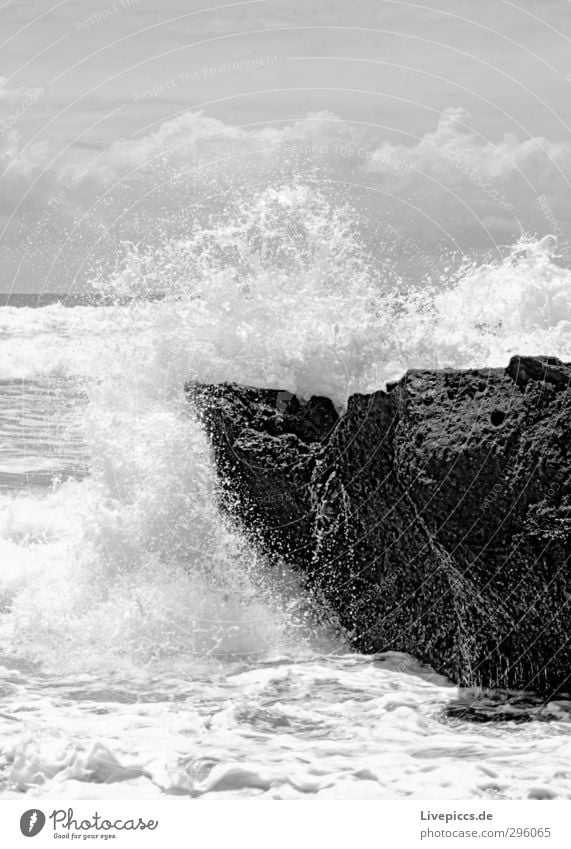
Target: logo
[{"x": 32, "y": 822}]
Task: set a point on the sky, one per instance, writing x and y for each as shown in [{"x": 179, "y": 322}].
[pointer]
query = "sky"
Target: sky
[{"x": 449, "y": 119}]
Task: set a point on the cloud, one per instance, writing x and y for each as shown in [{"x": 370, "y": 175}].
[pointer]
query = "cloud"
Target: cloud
[
  {"x": 10, "y": 96},
  {"x": 458, "y": 178},
  {"x": 450, "y": 190}
]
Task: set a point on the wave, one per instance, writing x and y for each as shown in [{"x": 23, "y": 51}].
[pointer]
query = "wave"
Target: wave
[
  {"x": 450, "y": 190},
  {"x": 135, "y": 564},
  {"x": 281, "y": 290}
]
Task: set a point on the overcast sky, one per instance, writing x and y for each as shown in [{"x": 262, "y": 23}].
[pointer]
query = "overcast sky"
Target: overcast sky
[{"x": 78, "y": 77}]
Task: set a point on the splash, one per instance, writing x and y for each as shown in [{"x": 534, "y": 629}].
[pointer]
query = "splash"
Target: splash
[
  {"x": 134, "y": 564},
  {"x": 282, "y": 291}
]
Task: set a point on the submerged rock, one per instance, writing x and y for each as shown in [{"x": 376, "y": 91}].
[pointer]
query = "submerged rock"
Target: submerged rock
[{"x": 434, "y": 518}]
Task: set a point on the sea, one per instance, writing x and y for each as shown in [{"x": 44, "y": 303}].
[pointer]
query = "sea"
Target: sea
[{"x": 147, "y": 648}]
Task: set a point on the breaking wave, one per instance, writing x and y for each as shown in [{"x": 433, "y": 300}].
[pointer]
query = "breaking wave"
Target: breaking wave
[{"x": 133, "y": 563}]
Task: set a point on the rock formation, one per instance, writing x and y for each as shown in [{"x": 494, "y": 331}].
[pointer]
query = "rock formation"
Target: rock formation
[{"x": 433, "y": 518}]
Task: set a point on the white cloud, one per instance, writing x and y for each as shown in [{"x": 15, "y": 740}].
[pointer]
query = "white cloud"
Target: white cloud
[{"x": 452, "y": 189}]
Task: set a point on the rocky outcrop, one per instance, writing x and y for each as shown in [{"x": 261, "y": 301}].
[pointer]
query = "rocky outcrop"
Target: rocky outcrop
[{"x": 433, "y": 518}]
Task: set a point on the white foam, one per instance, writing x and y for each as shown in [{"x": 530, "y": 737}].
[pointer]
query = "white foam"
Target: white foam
[
  {"x": 136, "y": 561},
  {"x": 324, "y": 727},
  {"x": 134, "y": 568}
]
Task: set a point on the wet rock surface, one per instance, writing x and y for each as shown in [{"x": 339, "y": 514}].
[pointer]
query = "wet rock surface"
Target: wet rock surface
[{"x": 433, "y": 518}]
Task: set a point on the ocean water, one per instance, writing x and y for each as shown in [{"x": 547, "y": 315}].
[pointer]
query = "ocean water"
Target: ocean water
[{"x": 147, "y": 648}]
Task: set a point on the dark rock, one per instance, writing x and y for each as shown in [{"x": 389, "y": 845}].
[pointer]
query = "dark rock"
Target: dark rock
[{"x": 434, "y": 519}]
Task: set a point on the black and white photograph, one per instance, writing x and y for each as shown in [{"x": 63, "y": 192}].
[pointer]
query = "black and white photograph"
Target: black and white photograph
[{"x": 285, "y": 429}]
